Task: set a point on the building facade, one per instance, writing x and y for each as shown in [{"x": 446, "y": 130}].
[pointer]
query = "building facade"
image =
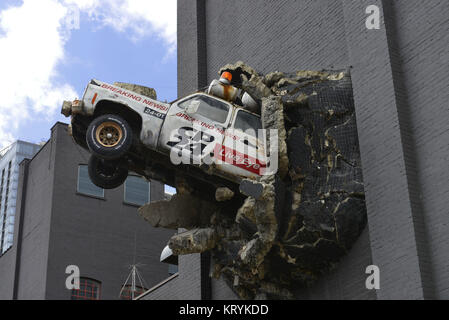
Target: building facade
[
  {"x": 399, "y": 73},
  {"x": 10, "y": 158},
  {"x": 65, "y": 223}
]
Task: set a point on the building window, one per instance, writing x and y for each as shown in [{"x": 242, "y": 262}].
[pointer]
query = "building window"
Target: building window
[
  {"x": 85, "y": 185},
  {"x": 4, "y": 244},
  {"x": 137, "y": 191},
  {"x": 127, "y": 292},
  {"x": 89, "y": 290},
  {"x": 169, "y": 191}
]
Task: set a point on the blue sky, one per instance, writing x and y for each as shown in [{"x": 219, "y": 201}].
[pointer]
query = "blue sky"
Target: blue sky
[{"x": 48, "y": 55}]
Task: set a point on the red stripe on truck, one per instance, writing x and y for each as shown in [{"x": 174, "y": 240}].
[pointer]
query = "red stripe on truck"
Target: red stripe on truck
[{"x": 238, "y": 159}]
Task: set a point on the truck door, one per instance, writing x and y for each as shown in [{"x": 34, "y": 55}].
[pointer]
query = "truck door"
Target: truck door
[
  {"x": 243, "y": 151},
  {"x": 192, "y": 128}
]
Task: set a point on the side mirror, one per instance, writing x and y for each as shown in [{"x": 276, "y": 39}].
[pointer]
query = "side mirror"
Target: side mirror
[{"x": 193, "y": 106}]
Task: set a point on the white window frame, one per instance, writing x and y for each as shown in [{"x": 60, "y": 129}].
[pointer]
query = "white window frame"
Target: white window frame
[
  {"x": 78, "y": 185},
  {"x": 124, "y": 191}
]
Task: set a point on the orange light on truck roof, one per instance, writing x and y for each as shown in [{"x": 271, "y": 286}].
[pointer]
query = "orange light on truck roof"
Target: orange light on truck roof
[{"x": 227, "y": 75}]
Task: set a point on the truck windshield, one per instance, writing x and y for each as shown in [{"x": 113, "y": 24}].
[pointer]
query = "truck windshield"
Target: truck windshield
[
  {"x": 247, "y": 122},
  {"x": 209, "y": 107}
]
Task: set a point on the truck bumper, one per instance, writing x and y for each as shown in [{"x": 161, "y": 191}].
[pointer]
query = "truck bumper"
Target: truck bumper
[{"x": 72, "y": 107}]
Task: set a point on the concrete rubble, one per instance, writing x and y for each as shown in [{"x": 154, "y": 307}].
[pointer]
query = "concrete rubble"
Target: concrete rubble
[
  {"x": 145, "y": 91},
  {"x": 292, "y": 226},
  {"x": 223, "y": 194}
]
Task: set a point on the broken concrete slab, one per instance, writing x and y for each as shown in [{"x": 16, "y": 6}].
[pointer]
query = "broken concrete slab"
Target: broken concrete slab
[
  {"x": 194, "y": 241},
  {"x": 223, "y": 194},
  {"x": 323, "y": 188},
  {"x": 255, "y": 87},
  {"x": 272, "y": 116},
  {"x": 251, "y": 188},
  {"x": 181, "y": 211},
  {"x": 295, "y": 225},
  {"x": 237, "y": 69}
]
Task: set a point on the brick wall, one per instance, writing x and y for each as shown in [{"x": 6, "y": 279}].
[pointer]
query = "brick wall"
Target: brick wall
[
  {"x": 288, "y": 36},
  {"x": 400, "y": 85}
]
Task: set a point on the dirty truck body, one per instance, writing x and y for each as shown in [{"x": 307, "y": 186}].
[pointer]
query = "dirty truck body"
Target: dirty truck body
[{"x": 200, "y": 139}]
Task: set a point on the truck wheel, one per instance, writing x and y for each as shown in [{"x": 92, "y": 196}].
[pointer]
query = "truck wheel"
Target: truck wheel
[
  {"x": 109, "y": 137},
  {"x": 106, "y": 174}
]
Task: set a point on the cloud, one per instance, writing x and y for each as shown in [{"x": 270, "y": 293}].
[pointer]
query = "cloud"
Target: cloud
[
  {"x": 140, "y": 17},
  {"x": 32, "y": 40},
  {"x": 31, "y": 46}
]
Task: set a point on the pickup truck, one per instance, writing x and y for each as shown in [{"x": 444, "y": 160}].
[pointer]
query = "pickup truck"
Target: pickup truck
[{"x": 202, "y": 139}]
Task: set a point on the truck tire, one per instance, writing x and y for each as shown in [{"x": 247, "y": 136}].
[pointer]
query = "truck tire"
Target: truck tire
[
  {"x": 109, "y": 137},
  {"x": 106, "y": 174}
]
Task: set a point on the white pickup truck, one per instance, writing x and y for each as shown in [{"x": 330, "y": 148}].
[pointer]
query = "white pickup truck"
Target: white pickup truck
[{"x": 125, "y": 130}]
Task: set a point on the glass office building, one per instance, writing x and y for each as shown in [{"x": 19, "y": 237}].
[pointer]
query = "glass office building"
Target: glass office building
[{"x": 10, "y": 159}]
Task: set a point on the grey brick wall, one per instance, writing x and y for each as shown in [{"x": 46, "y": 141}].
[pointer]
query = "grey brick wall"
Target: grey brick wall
[
  {"x": 420, "y": 34},
  {"x": 98, "y": 235},
  {"x": 400, "y": 79},
  {"x": 287, "y": 36},
  {"x": 166, "y": 291},
  {"x": 7, "y": 264},
  {"x": 61, "y": 228},
  {"x": 401, "y": 112},
  {"x": 186, "y": 286},
  {"x": 35, "y": 239},
  {"x": 189, "y": 283},
  {"x": 393, "y": 244},
  {"x": 280, "y": 35},
  {"x": 8, "y": 261},
  {"x": 191, "y": 35}
]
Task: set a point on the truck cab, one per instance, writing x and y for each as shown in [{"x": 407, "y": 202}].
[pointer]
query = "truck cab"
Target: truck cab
[{"x": 201, "y": 132}]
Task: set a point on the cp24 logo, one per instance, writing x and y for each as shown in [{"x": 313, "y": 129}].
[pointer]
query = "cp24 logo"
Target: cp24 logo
[{"x": 193, "y": 140}]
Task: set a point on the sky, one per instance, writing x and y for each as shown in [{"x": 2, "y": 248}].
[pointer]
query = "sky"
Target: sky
[{"x": 51, "y": 49}]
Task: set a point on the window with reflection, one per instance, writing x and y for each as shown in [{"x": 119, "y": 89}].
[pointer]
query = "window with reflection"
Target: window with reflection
[
  {"x": 208, "y": 107},
  {"x": 89, "y": 290},
  {"x": 137, "y": 190},
  {"x": 85, "y": 185},
  {"x": 247, "y": 122},
  {"x": 127, "y": 292}
]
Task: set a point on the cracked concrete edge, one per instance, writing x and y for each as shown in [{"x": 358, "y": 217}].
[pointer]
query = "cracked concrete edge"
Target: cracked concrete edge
[{"x": 194, "y": 241}]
